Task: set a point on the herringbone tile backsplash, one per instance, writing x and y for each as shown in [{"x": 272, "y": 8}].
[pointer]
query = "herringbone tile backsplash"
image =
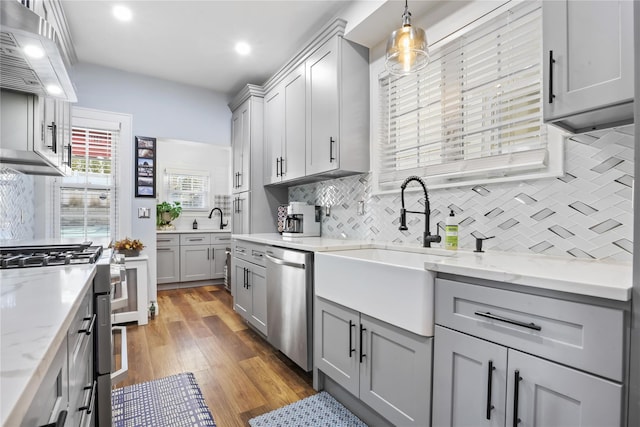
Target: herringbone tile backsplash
[
  {"x": 17, "y": 208},
  {"x": 587, "y": 213}
]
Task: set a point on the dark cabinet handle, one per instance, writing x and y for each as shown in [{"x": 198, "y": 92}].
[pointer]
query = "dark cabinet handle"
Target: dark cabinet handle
[
  {"x": 351, "y": 349},
  {"x": 331, "y": 142},
  {"x": 551, "y": 62},
  {"x": 54, "y": 137},
  {"x": 510, "y": 321},
  {"x": 277, "y": 166},
  {"x": 516, "y": 392},
  {"x": 69, "y": 154},
  {"x": 281, "y": 166},
  {"x": 59, "y": 422},
  {"x": 89, "y": 329},
  {"x": 90, "y": 405},
  {"x": 362, "y": 355},
  {"x": 208, "y": 253},
  {"x": 489, "y": 382},
  {"x": 239, "y": 179}
]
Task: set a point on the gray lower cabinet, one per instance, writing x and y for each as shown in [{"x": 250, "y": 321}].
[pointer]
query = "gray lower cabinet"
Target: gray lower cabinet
[
  {"x": 250, "y": 298},
  {"x": 188, "y": 257},
  {"x": 508, "y": 358},
  {"x": 386, "y": 367},
  {"x": 479, "y": 383},
  {"x": 168, "y": 256}
]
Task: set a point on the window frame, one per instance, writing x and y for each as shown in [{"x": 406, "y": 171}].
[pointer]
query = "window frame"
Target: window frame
[
  {"x": 555, "y": 136},
  {"x": 205, "y": 194}
]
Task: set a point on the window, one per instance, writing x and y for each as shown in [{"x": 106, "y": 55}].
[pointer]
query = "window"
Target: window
[
  {"x": 88, "y": 198},
  {"x": 190, "y": 188},
  {"x": 474, "y": 114}
]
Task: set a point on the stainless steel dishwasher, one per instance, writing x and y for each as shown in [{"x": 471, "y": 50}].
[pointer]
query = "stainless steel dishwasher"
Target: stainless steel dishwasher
[{"x": 290, "y": 303}]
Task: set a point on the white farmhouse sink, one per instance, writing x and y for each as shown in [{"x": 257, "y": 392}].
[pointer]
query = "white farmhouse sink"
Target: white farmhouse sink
[{"x": 391, "y": 286}]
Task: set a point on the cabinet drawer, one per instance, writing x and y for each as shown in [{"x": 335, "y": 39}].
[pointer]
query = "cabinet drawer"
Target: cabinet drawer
[
  {"x": 581, "y": 335},
  {"x": 251, "y": 252},
  {"x": 220, "y": 238},
  {"x": 166, "y": 240},
  {"x": 195, "y": 239}
]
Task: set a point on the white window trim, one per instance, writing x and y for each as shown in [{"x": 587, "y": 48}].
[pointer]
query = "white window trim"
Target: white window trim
[
  {"x": 556, "y": 136},
  {"x": 202, "y": 173},
  {"x": 86, "y": 117}
]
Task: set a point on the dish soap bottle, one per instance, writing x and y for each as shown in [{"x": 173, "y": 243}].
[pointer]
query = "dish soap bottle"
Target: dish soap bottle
[
  {"x": 451, "y": 232},
  {"x": 195, "y": 224}
]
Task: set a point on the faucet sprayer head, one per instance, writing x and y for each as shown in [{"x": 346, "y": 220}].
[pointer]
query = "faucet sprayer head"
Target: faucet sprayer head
[{"x": 403, "y": 220}]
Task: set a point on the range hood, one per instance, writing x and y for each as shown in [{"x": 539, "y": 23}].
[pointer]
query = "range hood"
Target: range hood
[{"x": 46, "y": 75}]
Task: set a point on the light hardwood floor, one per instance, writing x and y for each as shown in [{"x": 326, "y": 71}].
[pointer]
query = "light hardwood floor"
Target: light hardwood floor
[{"x": 240, "y": 375}]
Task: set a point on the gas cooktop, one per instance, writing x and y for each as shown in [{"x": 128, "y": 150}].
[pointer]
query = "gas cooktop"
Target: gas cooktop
[{"x": 21, "y": 256}]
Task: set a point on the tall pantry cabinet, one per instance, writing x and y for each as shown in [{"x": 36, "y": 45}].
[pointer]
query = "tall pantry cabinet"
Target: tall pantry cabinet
[{"x": 254, "y": 208}]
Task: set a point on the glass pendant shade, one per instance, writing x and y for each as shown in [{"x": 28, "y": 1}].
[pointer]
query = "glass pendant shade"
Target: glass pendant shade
[{"x": 407, "y": 50}]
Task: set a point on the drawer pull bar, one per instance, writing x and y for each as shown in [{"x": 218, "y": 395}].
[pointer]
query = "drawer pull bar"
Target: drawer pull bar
[
  {"x": 89, "y": 329},
  {"x": 516, "y": 394},
  {"x": 510, "y": 321},
  {"x": 490, "y": 407},
  {"x": 362, "y": 355}
]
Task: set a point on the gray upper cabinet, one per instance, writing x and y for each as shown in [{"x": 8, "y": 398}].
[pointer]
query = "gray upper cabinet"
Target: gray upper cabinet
[
  {"x": 588, "y": 63},
  {"x": 284, "y": 124},
  {"x": 386, "y": 367},
  {"x": 337, "y": 109},
  {"x": 241, "y": 146}
]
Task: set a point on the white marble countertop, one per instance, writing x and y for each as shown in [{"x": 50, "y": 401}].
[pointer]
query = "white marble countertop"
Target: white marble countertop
[
  {"x": 37, "y": 307},
  {"x": 603, "y": 279},
  {"x": 191, "y": 230}
]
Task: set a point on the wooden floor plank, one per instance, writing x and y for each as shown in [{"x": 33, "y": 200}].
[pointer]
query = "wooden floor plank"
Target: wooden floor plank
[{"x": 241, "y": 376}]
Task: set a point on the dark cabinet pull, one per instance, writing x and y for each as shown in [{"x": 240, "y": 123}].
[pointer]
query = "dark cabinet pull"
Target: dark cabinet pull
[
  {"x": 510, "y": 321},
  {"x": 351, "y": 349},
  {"x": 89, "y": 329},
  {"x": 281, "y": 166},
  {"x": 362, "y": 355},
  {"x": 54, "y": 137},
  {"x": 246, "y": 278},
  {"x": 331, "y": 142},
  {"x": 516, "y": 394},
  {"x": 239, "y": 179},
  {"x": 59, "y": 422},
  {"x": 551, "y": 62},
  {"x": 208, "y": 253},
  {"x": 278, "y": 166},
  {"x": 90, "y": 405},
  {"x": 69, "y": 154},
  {"x": 489, "y": 382}
]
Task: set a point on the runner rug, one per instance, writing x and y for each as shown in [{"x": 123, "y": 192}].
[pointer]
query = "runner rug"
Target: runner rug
[
  {"x": 319, "y": 410},
  {"x": 174, "y": 401}
]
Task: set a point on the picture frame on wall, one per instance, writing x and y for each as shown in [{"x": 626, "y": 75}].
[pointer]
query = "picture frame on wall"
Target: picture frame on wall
[{"x": 145, "y": 164}]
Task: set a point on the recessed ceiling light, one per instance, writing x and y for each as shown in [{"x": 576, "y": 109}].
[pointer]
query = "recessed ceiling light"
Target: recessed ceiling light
[
  {"x": 243, "y": 48},
  {"x": 33, "y": 51},
  {"x": 54, "y": 89},
  {"x": 122, "y": 13}
]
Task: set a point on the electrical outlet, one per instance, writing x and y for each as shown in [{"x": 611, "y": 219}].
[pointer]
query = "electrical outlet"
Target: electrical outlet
[{"x": 144, "y": 213}]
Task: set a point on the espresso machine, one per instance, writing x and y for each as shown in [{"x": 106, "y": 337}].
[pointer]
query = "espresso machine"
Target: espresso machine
[{"x": 302, "y": 220}]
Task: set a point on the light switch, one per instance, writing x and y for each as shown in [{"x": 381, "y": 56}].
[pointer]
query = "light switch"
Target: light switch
[{"x": 144, "y": 213}]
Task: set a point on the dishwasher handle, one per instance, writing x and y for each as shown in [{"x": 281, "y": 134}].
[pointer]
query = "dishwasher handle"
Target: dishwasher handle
[{"x": 283, "y": 262}]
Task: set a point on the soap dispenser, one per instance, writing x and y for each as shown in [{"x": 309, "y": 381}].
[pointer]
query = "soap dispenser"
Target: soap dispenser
[
  {"x": 451, "y": 232},
  {"x": 195, "y": 224}
]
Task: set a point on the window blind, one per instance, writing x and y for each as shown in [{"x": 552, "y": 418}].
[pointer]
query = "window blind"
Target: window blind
[
  {"x": 88, "y": 198},
  {"x": 475, "y": 110},
  {"x": 190, "y": 188}
]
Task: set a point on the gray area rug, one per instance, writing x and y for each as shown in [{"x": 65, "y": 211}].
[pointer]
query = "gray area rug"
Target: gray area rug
[
  {"x": 174, "y": 401},
  {"x": 319, "y": 410}
]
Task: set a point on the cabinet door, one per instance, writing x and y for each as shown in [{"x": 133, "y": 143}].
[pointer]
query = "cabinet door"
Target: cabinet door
[
  {"x": 336, "y": 347},
  {"x": 550, "y": 395},
  {"x": 46, "y": 138},
  {"x": 242, "y": 300},
  {"x": 63, "y": 120},
  {"x": 395, "y": 372},
  {"x": 273, "y": 134},
  {"x": 241, "y": 145},
  {"x": 218, "y": 260},
  {"x": 168, "y": 265},
  {"x": 258, "y": 288},
  {"x": 469, "y": 380},
  {"x": 592, "y": 46},
  {"x": 294, "y": 125},
  {"x": 195, "y": 263},
  {"x": 323, "y": 109},
  {"x": 240, "y": 217}
]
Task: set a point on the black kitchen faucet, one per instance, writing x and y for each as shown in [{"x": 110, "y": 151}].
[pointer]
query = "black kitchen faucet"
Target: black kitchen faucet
[
  {"x": 219, "y": 210},
  {"x": 427, "y": 238}
]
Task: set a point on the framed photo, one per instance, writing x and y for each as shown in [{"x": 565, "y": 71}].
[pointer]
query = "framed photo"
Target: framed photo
[{"x": 145, "y": 176}]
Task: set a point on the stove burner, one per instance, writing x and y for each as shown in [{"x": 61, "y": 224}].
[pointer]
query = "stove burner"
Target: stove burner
[{"x": 16, "y": 257}]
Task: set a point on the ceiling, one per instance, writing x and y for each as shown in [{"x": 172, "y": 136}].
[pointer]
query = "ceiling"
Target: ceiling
[{"x": 192, "y": 42}]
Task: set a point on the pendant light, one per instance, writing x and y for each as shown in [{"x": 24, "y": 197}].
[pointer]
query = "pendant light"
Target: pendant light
[{"x": 406, "y": 48}]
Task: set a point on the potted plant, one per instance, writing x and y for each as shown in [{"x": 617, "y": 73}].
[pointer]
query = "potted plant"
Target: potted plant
[
  {"x": 128, "y": 247},
  {"x": 167, "y": 212}
]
